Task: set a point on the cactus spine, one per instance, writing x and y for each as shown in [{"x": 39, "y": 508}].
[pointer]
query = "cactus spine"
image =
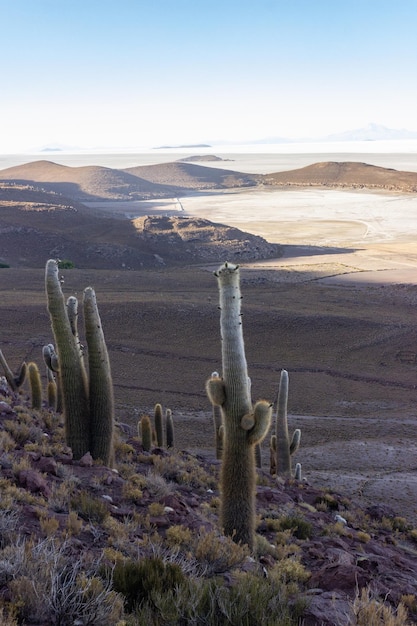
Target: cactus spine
[
  {"x": 244, "y": 425},
  {"x": 87, "y": 399},
  {"x": 281, "y": 444},
  {"x": 35, "y": 385}
]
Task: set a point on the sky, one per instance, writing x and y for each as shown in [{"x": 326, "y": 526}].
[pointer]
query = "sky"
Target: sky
[{"x": 95, "y": 74}]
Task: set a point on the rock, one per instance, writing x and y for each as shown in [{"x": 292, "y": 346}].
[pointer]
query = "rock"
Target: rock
[
  {"x": 86, "y": 460},
  {"x": 5, "y": 408},
  {"x": 48, "y": 465},
  {"x": 34, "y": 481}
]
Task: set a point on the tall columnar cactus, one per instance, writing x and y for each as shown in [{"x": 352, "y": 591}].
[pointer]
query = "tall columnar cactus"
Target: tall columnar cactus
[
  {"x": 35, "y": 386},
  {"x": 159, "y": 425},
  {"x": 169, "y": 427},
  {"x": 100, "y": 382},
  {"x": 244, "y": 425},
  {"x": 281, "y": 444},
  {"x": 14, "y": 380},
  {"x": 146, "y": 433},
  {"x": 87, "y": 398},
  {"x": 72, "y": 372}
]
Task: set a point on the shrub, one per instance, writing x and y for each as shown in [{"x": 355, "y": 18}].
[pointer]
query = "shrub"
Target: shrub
[
  {"x": 138, "y": 581},
  {"x": 89, "y": 508},
  {"x": 65, "y": 264},
  {"x": 298, "y": 525},
  {"x": 369, "y": 611}
]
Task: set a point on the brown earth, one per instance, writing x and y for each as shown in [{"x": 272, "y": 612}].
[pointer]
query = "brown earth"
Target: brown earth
[
  {"x": 350, "y": 350},
  {"x": 36, "y": 225},
  {"x": 342, "y": 323}
]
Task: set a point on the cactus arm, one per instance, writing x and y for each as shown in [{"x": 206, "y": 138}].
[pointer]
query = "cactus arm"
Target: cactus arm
[
  {"x": 216, "y": 391},
  {"x": 50, "y": 357},
  {"x": 14, "y": 381},
  {"x": 295, "y": 441},
  {"x": 72, "y": 374},
  {"x": 100, "y": 382},
  {"x": 262, "y": 421}
]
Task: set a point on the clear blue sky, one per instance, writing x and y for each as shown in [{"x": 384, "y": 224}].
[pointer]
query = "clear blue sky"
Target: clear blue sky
[{"x": 94, "y": 73}]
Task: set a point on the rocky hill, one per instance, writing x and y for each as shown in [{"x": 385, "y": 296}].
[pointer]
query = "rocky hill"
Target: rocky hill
[
  {"x": 36, "y": 225},
  {"x": 153, "y": 523}
]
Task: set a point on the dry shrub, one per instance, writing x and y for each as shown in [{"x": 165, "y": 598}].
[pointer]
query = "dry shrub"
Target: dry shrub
[
  {"x": 216, "y": 553},
  {"x": 370, "y": 611},
  {"x": 50, "y": 587}
]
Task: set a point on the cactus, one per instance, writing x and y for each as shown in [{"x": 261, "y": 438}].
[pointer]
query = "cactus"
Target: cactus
[
  {"x": 100, "y": 382},
  {"x": 35, "y": 385},
  {"x": 217, "y": 423},
  {"x": 159, "y": 427},
  {"x": 87, "y": 399},
  {"x": 51, "y": 390},
  {"x": 54, "y": 391},
  {"x": 169, "y": 426},
  {"x": 281, "y": 444},
  {"x": 244, "y": 425},
  {"x": 14, "y": 381},
  {"x": 146, "y": 433},
  {"x": 73, "y": 376}
]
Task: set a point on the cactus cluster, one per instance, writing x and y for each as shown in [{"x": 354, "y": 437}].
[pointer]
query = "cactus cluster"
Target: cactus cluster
[
  {"x": 244, "y": 425},
  {"x": 155, "y": 435},
  {"x": 87, "y": 394}
]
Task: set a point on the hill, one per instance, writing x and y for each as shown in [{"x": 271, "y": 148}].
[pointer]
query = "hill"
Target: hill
[
  {"x": 82, "y": 542},
  {"x": 190, "y": 176},
  {"x": 345, "y": 174},
  {"x": 137, "y": 183},
  {"x": 92, "y": 183},
  {"x": 36, "y": 225},
  {"x": 84, "y": 183}
]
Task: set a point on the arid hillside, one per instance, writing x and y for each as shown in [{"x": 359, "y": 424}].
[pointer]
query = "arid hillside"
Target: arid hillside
[
  {"x": 349, "y": 174},
  {"x": 92, "y": 183},
  {"x": 36, "y": 225}
]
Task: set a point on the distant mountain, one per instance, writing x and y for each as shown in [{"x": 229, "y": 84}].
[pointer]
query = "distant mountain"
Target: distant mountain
[
  {"x": 191, "y": 145},
  {"x": 372, "y": 132}
]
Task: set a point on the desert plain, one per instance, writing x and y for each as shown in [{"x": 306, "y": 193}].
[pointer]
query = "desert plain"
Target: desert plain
[{"x": 337, "y": 309}]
